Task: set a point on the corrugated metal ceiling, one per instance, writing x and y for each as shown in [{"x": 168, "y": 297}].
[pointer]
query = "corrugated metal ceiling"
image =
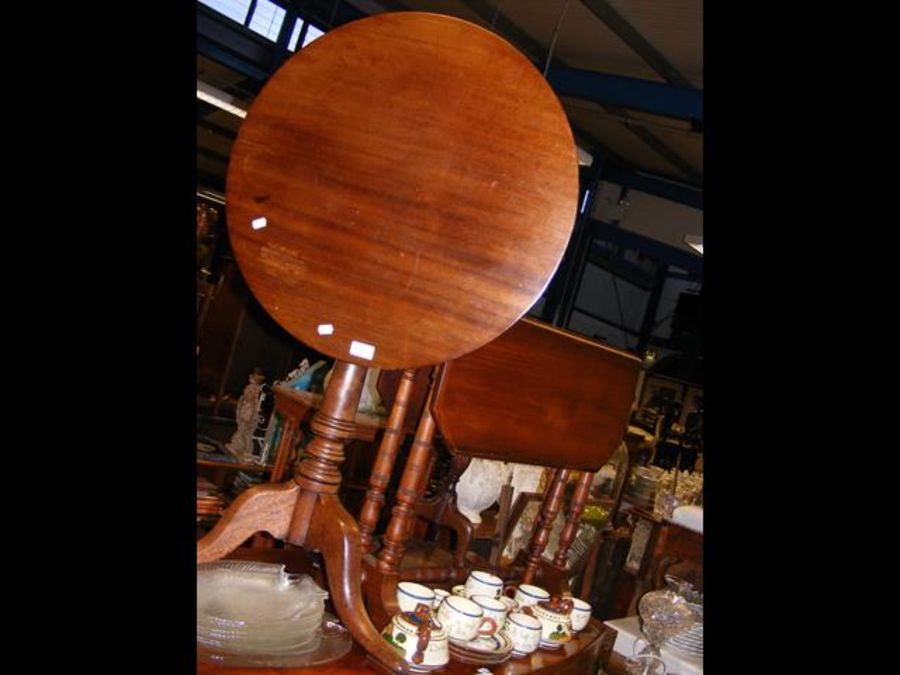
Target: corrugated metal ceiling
[
  {"x": 616, "y": 137},
  {"x": 674, "y": 27}
]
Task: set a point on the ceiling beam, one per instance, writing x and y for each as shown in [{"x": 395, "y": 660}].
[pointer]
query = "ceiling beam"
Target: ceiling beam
[
  {"x": 603, "y": 319},
  {"x": 208, "y": 180},
  {"x": 652, "y": 185},
  {"x": 681, "y": 276},
  {"x": 537, "y": 53},
  {"x": 600, "y": 257},
  {"x": 635, "y": 94},
  {"x": 212, "y": 154},
  {"x": 370, "y": 7},
  {"x": 486, "y": 10},
  {"x": 215, "y": 128},
  {"x": 665, "y": 152},
  {"x": 653, "y": 248},
  {"x": 240, "y": 64},
  {"x": 240, "y": 39},
  {"x": 637, "y": 42},
  {"x": 328, "y": 14}
]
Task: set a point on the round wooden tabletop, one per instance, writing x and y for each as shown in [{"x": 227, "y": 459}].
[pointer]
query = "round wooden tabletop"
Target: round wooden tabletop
[{"x": 402, "y": 190}]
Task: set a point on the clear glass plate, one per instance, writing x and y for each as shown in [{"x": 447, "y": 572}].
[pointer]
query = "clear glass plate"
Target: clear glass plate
[
  {"x": 240, "y": 595},
  {"x": 248, "y": 607},
  {"x": 300, "y": 646},
  {"x": 334, "y": 643}
]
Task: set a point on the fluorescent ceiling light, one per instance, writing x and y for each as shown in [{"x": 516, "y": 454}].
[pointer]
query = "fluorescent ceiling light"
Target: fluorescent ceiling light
[
  {"x": 212, "y": 195},
  {"x": 220, "y": 99},
  {"x": 695, "y": 241}
]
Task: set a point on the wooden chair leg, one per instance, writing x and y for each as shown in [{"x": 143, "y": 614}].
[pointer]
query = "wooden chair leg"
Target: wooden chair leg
[
  {"x": 502, "y": 522},
  {"x": 465, "y": 531},
  {"x": 384, "y": 461},
  {"x": 573, "y": 518},
  {"x": 541, "y": 535},
  {"x": 412, "y": 486}
]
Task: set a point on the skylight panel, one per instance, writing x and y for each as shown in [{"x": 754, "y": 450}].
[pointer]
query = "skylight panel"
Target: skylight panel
[
  {"x": 267, "y": 19},
  {"x": 312, "y": 33},
  {"x": 298, "y": 26},
  {"x": 236, "y": 10}
]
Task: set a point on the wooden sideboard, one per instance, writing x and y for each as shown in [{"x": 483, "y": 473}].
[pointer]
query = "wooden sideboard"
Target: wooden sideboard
[{"x": 665, "y": 546}]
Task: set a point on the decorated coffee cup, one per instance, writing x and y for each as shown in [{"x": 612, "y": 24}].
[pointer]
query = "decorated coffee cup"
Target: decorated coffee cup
[
  {"x": 527, "y": 595},
  {"x": 464, "y": 620},
  {"x": 524, "y": 632},
  {"x": 410, "y": 594},
  {"x": 439, "y": 595},
  {"x": 581, "y": 614},
  {"x": 482, "y": 583},
  {"x": 492, "y": 608}
]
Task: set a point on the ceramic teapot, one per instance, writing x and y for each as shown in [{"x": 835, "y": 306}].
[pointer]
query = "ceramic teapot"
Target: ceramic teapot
[
  {"x": 420, "y": 639},
  {"x": 555, "y": 617}
]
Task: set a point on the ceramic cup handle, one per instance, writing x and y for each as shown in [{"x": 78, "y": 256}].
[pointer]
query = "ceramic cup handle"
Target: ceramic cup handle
[{"x": 492, "y": 627}]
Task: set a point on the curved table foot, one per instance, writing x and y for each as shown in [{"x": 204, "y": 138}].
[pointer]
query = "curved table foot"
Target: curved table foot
[
  {"x": 263, "y": 507},
  {"x": 335, "y": 533}
]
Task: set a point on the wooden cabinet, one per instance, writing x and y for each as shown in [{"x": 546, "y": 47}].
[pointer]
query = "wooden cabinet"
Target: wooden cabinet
[{"x": 657, "y": 547}]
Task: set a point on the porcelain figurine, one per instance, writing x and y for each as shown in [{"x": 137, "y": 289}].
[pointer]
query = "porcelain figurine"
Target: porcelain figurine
[
  {"x": 247, "y": 413},
  {"x": 301, "y": 378},
  {"x": 479, "y": 487},
  {"x": 301, "y": 368}
]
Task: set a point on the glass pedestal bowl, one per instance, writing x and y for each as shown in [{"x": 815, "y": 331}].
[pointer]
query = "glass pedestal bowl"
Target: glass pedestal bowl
[
  {"x": 664, "y": 614},
  {"x": 689, "y": 641}
]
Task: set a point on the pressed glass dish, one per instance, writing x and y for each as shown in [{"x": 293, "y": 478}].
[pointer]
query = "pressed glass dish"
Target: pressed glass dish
[
  {"x": 689, "y": 641},
  {"x": 308, "y": 643},
  {"x": 333, "y": 642},
  {"x": 252, "y": 609}
]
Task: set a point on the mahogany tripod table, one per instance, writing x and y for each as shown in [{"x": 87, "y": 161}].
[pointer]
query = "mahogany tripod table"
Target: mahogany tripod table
[{"x": 399, "y": 194}]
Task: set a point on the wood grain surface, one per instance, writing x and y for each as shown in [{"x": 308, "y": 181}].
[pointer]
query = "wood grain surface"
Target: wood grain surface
[
  {"x": 537, "y": 395},
  {"x": 418, "y": 181}
]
